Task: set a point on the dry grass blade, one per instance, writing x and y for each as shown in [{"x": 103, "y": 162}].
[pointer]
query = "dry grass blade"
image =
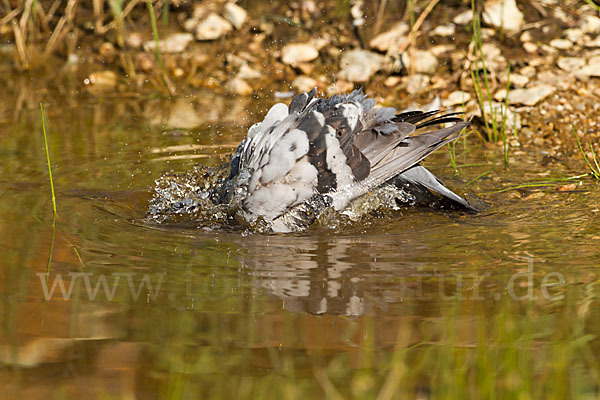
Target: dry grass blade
[{"x": 417, "y": 25}]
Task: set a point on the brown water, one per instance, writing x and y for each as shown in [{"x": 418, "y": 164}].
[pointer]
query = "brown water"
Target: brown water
[{"x": 424, "y": 303}]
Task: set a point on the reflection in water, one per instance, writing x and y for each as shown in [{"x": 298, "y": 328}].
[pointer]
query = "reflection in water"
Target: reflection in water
[
  {"x": 389, "y": 306},
  {"x": 338, "y": 276}
]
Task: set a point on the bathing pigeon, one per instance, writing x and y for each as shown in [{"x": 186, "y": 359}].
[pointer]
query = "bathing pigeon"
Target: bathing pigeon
[{"x": 326, "y": 152}]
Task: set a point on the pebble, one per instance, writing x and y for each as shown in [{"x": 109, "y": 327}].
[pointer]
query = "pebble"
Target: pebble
[
  {"x": 530, "y": 96},
  {"x": 390, "y": 40},
  {"x": 592, "y": 69},
  {"x": 238, "y": 86},
  {"x": 212, "y": 28},
  {"x": 298, "y": 52},
  {"x": 444, "y": 30},
  {"x": 304, "y": 83},
  {"x": 561, "y": 44},
  {"x": 530, "y": 47},
  {"x": 134, "y": 40},
  {"x": 101, "y": 81},
  {"x": 590, "y": 24},
  {"x": 107, "y": 51},
  {"x": 235, "y": 14},
  {"x": 456, "y": 98},
  {"x": 359, "y": 65},
  {"x": 416, "y": 83},
  {"x": 425, "y": 62},
  {"x": 593, "y": 43},
  {"x": 247, "y": 72},
  {"x": 516, "y": 80},
  {"x": 145, "y": 62},
  {"x": 392, "y": 81},
  {"x": 574, "y": 34},
  {"x": 340, "y": 86},
  {"x": 174, "y": 43},
  {"x": 567, "y": 188},
  {"x": 570, "y": 64},
  {"x": 503, "y": 14},
  {"x": 463, "y": 18}
]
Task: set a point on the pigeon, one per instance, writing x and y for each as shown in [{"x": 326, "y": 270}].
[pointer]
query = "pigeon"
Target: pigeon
[{"x": 320, "y": 153}]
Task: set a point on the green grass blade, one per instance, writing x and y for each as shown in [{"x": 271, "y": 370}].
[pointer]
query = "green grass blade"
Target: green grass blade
[{"x": 48, "y": 161}]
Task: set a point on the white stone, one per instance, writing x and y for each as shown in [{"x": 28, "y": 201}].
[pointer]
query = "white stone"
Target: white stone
[
  {"x": 457, "y": 98},
  {"x": 503, "y": 14},
  {"x": 561, "y": 44},
  {"x": 516, "y": 80},
  {"x": 235, "y": 14},
  {"x": 304, "y": 83},
  {"x": 174, "y": 43},
  {"x": 570, "y": 64},
  {"x": 591, "y": 24},
  {"x": 530, "y": 47},
  {"x": 574, "y": 35},
  {"x": 592, "y": 69},
  {"x": 593, "y": 43},
  {"x": 444, "y": 30},
  {"x": 359, "y": 65},
  {"x": 390, "y": 40},
  {"x": 416, "y": 83},
  {"x": 463, "y": 18},
  {"x": 238, "y": 86},
  {"x": 530, "y": 96},
  {"x": 212, "y": 28},
  {"x": 294, "y": 53},
  {"x": 425, "y": 62},
  {"x": 247, "y": 72}
]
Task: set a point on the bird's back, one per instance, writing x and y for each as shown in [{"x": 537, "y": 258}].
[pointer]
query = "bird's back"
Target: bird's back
[{"x": 327, "y": 152}]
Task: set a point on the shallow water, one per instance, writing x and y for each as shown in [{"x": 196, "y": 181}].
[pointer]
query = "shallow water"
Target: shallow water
[{"x": 427, "y": 303}]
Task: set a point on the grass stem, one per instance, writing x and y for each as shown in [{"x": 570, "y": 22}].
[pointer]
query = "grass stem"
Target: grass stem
[{"x": 48, "y": 161}]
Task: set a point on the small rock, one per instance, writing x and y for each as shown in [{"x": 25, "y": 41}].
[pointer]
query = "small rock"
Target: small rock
[
  {"x": 174, "y": 43},
  {"x": 212, "y": 28},
  {"x": 319, "y": 42},
  {"x": 247, "y": 72},
  {"x": 530, "y": 96},
  {"x": 145, "y": 62},
  {"x": 444, "y": 30},
  {"x": 304, "y": 83},
  {"x": 298, "y": 52},
  {"x": 574, "y": 35},
  {"x": 416, "y": 83},
  {"x": 592, "y": 69},
  {"x": 456, "y": 98},
  {"x": 235, "y": 14},
  {"x": 590, "y": 24},
  {"x": 561, "y": 44},
  {"x": 529, "y": 71},
  {"x": 425, "y": 62},
  {"x": 526, "y": 37},
  {"x": 516, "y": 80},
  {"x": 191, "y": 24},
  {"x": 390, "y": 40},
  {"x": 305, "y": 68},
  {"x": 593, "y": 43},
  {"x": 101, "y": 81},
  {"x": 570, "y": 64},
  {"x": 134, "y": 40},
  {"x": 358, "y": 65},
  {"x": 238, "y": 86},
  {"x": 442, "y": 49},
  {"x": 338, "y": 87},
  {"x": 392, "y": 81},
  {"x": 503, "y": 14},
  {"x": 530, "y": 47},
  {"x": 463, "y": 18},
  {"x": 107, "y": 51},
  {"x": 567, "y": 188}
]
